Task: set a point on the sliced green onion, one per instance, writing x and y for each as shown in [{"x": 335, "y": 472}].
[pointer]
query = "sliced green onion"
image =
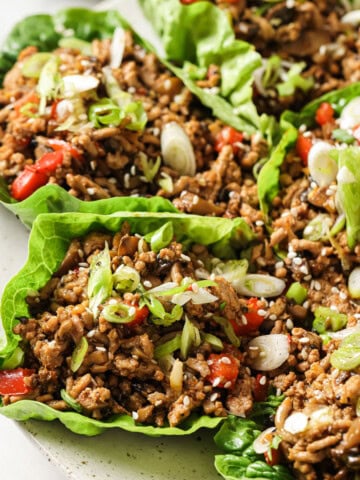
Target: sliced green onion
[
  {"x": 125, "y": 279},
  {"x": 347, "y": 357},
  {"x": 343, "y": 136},
  {"x": 130, "y": 108},
  {"x": 79, "y": 354},
  {"x": 168, "y": 347},
  {"x": 233, "y": 271},
  {"x": 100, "y": 280},
  {"x": 297, "y": 292},
  {"x": 166, "y": 182},
  {"x": 30, "y": 110},
  {"x": 74, "y": 43},
  {"x": 328, "y": 320},
  {"x": 212, "y": 340},
  {"x": 177, "y": 149},
  {"x": 339, "y": 225},
  {"x": 105, "y": 113},
  {"x": 323, "y": 167},
  {"x": 318, "y": 228},
  {"x": 190, "y": 337},
  {"x": 161, "y": 237},
  {"x": 293, "y": 80},
  {"x": 160, "y": 315},
  {"x": 118, "y": 313},
  {"x": 354, "y": 283},
  {"x": 149, "y": 167},
  {"x": 33, "y": 65},
  {"x": 228, "y": 330},
  {"x": 49, "y": 82},
  {"x": 180, "y": 289},
  {"x": 73, "y": 85},
  {"x": 258, "y": 285},
  {"x": 70, "y": 401}
]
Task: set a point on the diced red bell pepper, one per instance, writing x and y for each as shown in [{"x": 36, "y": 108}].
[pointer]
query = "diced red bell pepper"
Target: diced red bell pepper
[
  {"x": 27, "y": 182},
  {"x": 303, "y": 146},
  {"x": 253, "y": 319},
  {"x": 60, "y": 145},
  {"x": 224, "y": 370},
  {"x": 324, "y": 114},
  {"x": 229, "y": 136},
  {"x": 12, "y": 381},
  {"x": 141, "y": 314},
  {"x": 36, "y": 176}
]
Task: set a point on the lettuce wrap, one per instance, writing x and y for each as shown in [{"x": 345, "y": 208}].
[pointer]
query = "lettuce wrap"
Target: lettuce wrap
[
  {"x": 268, "y": 179},
  {"x": 49, "y": 240}
]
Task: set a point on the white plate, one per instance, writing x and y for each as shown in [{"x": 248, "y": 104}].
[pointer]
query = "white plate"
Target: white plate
[{"x": 115, "y": 455}]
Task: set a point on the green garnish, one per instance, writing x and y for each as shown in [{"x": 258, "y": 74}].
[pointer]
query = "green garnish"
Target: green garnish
[
  {"x": 297, "y": 292},
  {"x": 328, "y": 320},
  {"x": 343, "y": 136},
  {"x": 100, "y": 280},
  {"x": 79, "y": 354},
  {"x": 347, "y": 357},
  {"x": 70, "y": 401},
  {"x": 161, "y": 237}
]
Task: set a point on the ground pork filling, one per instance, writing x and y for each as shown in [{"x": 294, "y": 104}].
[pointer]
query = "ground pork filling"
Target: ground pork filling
[
  {"x": 109, "y": 161},
  {"x": 122, "y": 371}
]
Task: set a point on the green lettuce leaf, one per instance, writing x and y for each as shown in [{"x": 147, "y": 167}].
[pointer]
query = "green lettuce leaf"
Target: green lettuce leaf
[
  {"x": 349, "y": 191},
  {"x": 49, "y": 240},
  {"x": 77, "y": 423},
  {"x": 54, "y": 199},
  {"x": 212, "y": 41},
  {"x": 268, "y": 179}
]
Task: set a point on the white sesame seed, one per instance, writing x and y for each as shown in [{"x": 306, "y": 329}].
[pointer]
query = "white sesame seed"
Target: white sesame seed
[
  {"x": 91, "y": 191},
  {"x": 317, "y": 285},
  {"x": 291, "y": 255},
  {"x": 186, "y": 401},
  {"x": 306, "y": 304},
  {"x": 289, "y": 324},
  {"x": 147, "y": 283},
  {"x": 132, "y": 90},
  {"x": 334, "y": 290},
  {"x": 304, "y": 340},
  {"x": 279, "y": 264},
  {"x": 83, "y": 264},
  {"x": 343, "y": 295},
  {"x": 101, "y": 349},
  {"x": 262, "y": 312},
  {"x": 308, "y": 278},
  {"x": 158, "y": 403},
  {"x": 262, "y": 380},
  {"x": 334, "y": 308},
  {"x": 133, "y": 170},
  {"x": 304, "y": 269},
  {"x": 127, "y": 180},
  {"x": 132, "y": 311},
  {"x": 216, "y": 382},
  {"x": 273, "y": 317},
  {"x": 244, "y": 320},
  {"x": 210, "y": 362},
  {"x": 253, "y": 348},
  {"x": 298, "y": 261},
  {"x": 135, "y": 415},
  {"x": 185, "y": 258},
  {"x": 278, "y": 392},
  {"x": 228, "y": 384},
  {"x": 196, "y": 199},
  {"x": 313, "y": 184},
  {"x": 259, "y": 223},
  {"x": 213, "y": 397},
  {"x": 225, "y": 360}
]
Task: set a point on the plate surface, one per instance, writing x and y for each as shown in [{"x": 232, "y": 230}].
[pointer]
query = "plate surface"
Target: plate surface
[{"x": 115, "y": 454}]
